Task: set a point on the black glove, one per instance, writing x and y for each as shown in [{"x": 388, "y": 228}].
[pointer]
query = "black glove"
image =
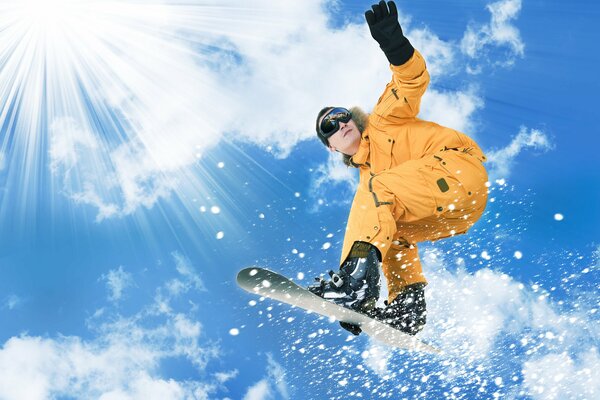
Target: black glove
[{"x": 386, "y": 30}]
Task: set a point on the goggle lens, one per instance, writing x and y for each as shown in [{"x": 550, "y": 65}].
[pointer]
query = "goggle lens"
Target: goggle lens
[{"x": 331, "y": 123}]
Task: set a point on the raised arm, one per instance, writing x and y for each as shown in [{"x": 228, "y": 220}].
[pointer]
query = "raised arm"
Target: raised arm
[{"x": 402, "y": 96}]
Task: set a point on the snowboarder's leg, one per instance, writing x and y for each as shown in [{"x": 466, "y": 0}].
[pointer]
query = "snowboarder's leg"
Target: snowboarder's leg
[
  {"x": 428, "y": 199},
  {"x": 439, "y": 196},
  {"x": 456, "y": 181},
  {"x": 402, "y": 267}
]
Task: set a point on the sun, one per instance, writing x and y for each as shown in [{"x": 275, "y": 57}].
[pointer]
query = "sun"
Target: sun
[
  {"x": 45, "y": 12},
  {"x": 101, "y": 98}
]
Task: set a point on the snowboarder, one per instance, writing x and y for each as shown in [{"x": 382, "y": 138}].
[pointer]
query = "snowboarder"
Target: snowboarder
[{"x": 418, "y": 181}]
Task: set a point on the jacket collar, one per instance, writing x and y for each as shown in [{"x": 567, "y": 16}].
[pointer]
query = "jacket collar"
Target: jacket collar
[{"x": 362, "y": 154}]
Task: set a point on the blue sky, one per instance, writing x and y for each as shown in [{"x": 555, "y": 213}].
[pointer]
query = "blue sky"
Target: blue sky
[{"x": 150, "y": 150}]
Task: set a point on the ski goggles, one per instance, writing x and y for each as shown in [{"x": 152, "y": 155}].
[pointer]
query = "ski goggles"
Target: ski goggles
[{"x": 330, "y": 124}]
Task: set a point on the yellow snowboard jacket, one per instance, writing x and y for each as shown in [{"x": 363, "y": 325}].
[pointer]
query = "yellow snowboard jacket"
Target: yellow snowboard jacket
[{"x": 418, "y": 180}]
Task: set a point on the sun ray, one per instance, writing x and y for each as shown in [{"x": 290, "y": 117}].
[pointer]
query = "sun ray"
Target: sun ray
[{"x": 104, "y": 103}]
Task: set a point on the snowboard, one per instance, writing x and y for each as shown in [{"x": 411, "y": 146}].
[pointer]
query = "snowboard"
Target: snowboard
[{"x": 270, "y": 284}]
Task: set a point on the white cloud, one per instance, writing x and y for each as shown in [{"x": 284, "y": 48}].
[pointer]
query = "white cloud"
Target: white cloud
[
  {"x": 276, "y": 375},
  {"x": 296, "y": 101},
  {"x": 115, "y": 181},
  {"x": 77, "y": 160},
  {"x": 223, "y": 377},
  {"x": 377, "y": 358},
  {"x": 492, "y": 300},
  {"x": 11, "y": 302},
  {"x": 333, "y": 181},
  {"x": 66, "y": 138},
  {"x": 469, "y": 312},
  {"x": 255, "y": 82},
  {"x": 121, "y": 362},
  {"x": 189, "y": 277},
  {"x": 40, "y": 368},
  {"x": 559, "y": 376},
  {"x": 272, "y": 386},
  {"x": 117, "y": 281},
  {"x": 502, "y": 160},
  {"x": 499, "y": 32},
  {"x": 259, "y": 391},
  {"x": 164, "y": 95},
  {"x": 90, "y": 196},
  {"x": 174, "y": 102},
  {"x": 452, "y": 109},
  {"x": 439, "y": 55}
]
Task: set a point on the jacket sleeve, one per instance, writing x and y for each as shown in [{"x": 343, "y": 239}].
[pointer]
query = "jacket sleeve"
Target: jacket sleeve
[{"x": 402, "y": 96}]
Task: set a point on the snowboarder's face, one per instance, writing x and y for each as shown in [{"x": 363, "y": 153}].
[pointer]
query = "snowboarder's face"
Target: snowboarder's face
[{"x": 347, "y": 139}]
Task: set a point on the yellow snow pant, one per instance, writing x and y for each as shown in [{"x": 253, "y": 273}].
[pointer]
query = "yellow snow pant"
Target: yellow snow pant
[{"x": 431, "y": 198}]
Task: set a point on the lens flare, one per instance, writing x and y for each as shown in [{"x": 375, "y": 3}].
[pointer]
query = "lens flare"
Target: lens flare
[{"x": 104, "y": 102}]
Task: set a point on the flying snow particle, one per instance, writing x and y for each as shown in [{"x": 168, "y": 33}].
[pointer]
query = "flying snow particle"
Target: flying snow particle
[
  {"x": 518, "y": 255},
  {"x": 300, "y": 276},
  {"x": 220, "y": 235},
  {"x": 234, "y": 331},
  {"x": 215, "y": 210},
  {"x": 301, "y": 255},
  {"x": 221, "y": 164},
  {"x": 261, "y": 216},
  {"x": 297, "y": 194},
  {"x": 485, "y": 255},
  {"x": 329, "y": 235},
  {"x": 202, "y": 209},
  {"x": 252, "y": 303},
  {"x": 326, "y": 245},
  {"x": 558, "y": 217},
  {"x": 498, "y": 381},
  {"x": 501, "y": 182}
]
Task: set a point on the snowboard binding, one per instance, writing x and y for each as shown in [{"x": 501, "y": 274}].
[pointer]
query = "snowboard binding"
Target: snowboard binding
[{"x": 356, "y": 285}]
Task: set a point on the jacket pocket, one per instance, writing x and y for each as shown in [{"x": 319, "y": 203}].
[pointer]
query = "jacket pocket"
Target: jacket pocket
[
  {"x": 381, "y": 152},
  {"x": 446, "y": 183}
]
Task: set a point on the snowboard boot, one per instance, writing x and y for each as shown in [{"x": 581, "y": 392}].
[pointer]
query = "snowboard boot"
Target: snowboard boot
[
  {"x": 408, "y": 311},
  {"x": 356, "y": 285}
]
